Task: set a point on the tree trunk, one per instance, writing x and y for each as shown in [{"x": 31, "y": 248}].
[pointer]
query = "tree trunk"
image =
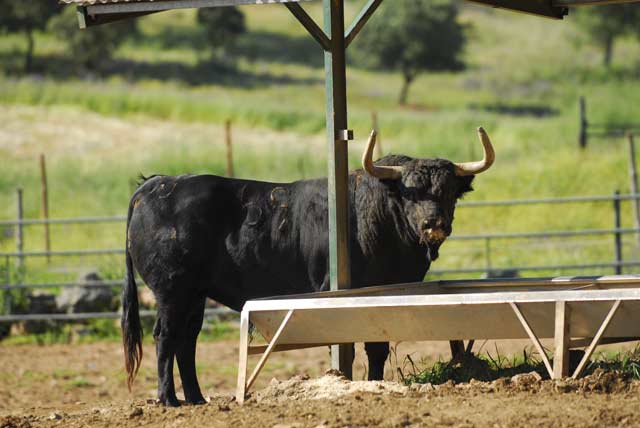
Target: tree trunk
[
  {"x": 28, "y": 61},
  {"x": 608, "y": 51},
  {"x": 404, "y": 92}
]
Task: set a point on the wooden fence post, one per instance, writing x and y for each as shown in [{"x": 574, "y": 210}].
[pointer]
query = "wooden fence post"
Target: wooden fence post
[
  {"x": 228, "y": 143},
  {"x": 19, "y": 234},
  {"x": 633, "y": 177},
  {"x": 582, "y": 137},
  {"x": 617, "y": 235},
  {"x": 44, "y": 207}
]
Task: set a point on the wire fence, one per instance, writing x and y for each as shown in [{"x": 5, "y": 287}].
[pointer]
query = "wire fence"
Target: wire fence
[{"x": 533, "y": 238}]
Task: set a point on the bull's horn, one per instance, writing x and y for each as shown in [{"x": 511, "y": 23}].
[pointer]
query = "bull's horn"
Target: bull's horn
[
  {"x": 379, "y": 171},
  {"x": 489, "y": 156}
]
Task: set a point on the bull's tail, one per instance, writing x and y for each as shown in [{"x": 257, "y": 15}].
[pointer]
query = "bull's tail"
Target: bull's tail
[{"x": 130, "y": 322}]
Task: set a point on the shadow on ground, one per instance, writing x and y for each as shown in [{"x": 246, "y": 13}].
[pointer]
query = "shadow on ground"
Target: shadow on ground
[{"x": 208, "y": 72}]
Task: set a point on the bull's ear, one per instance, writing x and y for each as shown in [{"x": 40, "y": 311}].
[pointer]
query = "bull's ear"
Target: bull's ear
[{"x": 464, "y": 185}]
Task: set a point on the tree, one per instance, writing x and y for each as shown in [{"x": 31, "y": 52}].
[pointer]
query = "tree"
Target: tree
[
  {"x": 27, "y": 16},
  {"x": 93, "y": 46},
  {"x": 413, "y": 36},
  {"x": 222, "y": 25},
  {"x": 606, "y": 23}
]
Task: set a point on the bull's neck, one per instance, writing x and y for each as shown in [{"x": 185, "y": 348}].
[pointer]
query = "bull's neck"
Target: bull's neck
[{"x": 381, "y": 220}]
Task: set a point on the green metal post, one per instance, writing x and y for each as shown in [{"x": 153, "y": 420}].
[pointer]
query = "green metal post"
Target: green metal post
[{"x": 338, "y": 174}]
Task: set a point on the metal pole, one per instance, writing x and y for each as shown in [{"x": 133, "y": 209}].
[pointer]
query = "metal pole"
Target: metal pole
[
  {"x": 19, "y": 234},
  {"x": 228, "y": 143},
  {"x": 582, "y": 137},
  {"x": 44, "y": 191},
  {"x": 633, "y": 176},
  {"x": 337, "y": 160},
  {"x": 617, "y": 234}
]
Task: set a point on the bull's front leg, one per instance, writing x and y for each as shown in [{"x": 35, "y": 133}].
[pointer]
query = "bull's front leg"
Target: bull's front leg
[{"x": 377, "y": 353}]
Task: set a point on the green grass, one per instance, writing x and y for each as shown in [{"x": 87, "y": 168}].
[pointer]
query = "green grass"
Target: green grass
[
  {"x": 107, "y": 330},
  {"x": 483, "y": 368},
  {"x": 275, "y": 97},
  {"x": 489, "y": 367}
]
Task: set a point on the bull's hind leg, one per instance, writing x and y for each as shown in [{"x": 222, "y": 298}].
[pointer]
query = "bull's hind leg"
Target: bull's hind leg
[
  {"x": 167, "y": 331},
  {"x": 186, "y": 353},
  {"x": 377, "y": 353}
]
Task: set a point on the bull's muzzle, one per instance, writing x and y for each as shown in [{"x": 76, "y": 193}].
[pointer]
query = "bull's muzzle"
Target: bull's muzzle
[{"x": 435, "y": 236}]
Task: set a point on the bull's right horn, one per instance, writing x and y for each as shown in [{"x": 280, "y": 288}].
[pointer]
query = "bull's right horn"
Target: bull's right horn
[
  {"x": 379, "y": 171},
  {"x": 489, "y": 156}
]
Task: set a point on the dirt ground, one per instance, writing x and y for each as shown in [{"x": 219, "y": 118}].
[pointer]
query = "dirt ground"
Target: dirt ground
[{"x": 83, "y": 385}]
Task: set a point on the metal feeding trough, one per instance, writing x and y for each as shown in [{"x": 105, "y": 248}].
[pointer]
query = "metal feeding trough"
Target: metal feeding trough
[{"x": 574, "y": 311}]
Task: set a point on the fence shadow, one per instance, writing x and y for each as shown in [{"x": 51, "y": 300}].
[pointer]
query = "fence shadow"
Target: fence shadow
[{"x": 516, "y": 109}]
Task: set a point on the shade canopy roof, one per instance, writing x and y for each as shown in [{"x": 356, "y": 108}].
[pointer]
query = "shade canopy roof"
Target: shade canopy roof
[{"x": 102, "y": 11}]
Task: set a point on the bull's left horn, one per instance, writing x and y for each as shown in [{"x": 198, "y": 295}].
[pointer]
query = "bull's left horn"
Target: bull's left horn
[
  {"x": 489, "y": 156},
  {"x": 379, "y": 171}
]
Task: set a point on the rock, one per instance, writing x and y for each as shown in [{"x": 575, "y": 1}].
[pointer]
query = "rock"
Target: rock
[
  {"x": 426, "y": 388},
  {"x": 94, "y": 298},
  {"x": 224, "y": 406},
  {"x": 14, "y": 422},
  {"x": 41, "y": 303},
  {"x": 55, "y": 416},
  {"x": 38, "y": 303},
  {"x": 334, "y": 372},
  {"x": 562, "y": 386},
  {"x": 135, "y": 412},
  {"x": 526, "y": 379}
]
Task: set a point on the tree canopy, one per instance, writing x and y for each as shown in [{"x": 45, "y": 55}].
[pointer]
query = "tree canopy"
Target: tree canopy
[
  {"x": 93, "y": 46},
  {"x": 222, "y": 25},
  {"x": 27, "y": 16},
  {"x": 413, "y": 36},
  {"x": 606, "y": 23}
]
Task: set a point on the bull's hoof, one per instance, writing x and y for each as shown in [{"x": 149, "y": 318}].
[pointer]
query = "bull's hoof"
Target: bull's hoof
[
  {"x": 169, "y": 401},
  {"x": 196, "y": 401}
]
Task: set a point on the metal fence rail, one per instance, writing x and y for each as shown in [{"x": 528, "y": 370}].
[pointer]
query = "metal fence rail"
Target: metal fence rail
[
  {"x": 616, "y": 264},
  {"x": 208, "y": 313},
  {"x": 535, "y": 268}
]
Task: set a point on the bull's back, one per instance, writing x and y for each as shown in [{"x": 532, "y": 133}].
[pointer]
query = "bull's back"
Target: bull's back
[{"x": 175, "y": 224}]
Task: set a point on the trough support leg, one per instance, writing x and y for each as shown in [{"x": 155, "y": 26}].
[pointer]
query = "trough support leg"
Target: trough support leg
[
  {"x": 243, "y": 357},
  {"x": 596, "y": 339},
  {"x": 272, "y": 344},
  {"x": 533, "y": 337},
  {"x": 562, "y": 338}
]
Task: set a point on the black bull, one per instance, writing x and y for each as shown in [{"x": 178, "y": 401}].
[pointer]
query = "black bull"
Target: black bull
[{"x": 196, "y": 236}]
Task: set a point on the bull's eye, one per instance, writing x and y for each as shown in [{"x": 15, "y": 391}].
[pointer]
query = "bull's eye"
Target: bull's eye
[{"x": 411, "y": 193}]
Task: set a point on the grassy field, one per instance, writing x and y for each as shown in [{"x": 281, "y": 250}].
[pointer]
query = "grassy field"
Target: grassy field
[{"x": 160, "y": 106}]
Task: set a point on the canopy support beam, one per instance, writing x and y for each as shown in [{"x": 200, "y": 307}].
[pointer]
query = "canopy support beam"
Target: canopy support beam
[
  {"x": 310, "y": 25},
  {"x": 338, "y": 166},
  {"x": 360, "y": 21},
  {"x": 539, "y": 8}
]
